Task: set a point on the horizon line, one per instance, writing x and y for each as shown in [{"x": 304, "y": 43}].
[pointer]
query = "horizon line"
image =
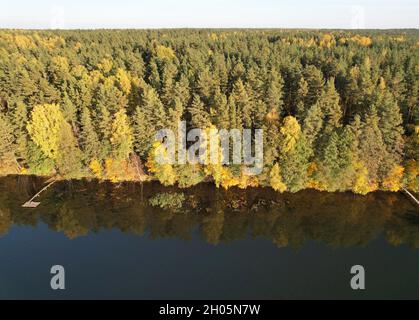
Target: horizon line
[{"x": 203, "y": 28}]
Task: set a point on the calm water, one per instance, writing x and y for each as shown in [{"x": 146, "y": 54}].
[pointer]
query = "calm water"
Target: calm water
[{"x": 154, "y": 243}]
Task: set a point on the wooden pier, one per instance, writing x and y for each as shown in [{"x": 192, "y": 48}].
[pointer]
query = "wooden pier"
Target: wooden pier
[
  {"x": 31, "y": 203},
  {"x": 408, "y": 193}
]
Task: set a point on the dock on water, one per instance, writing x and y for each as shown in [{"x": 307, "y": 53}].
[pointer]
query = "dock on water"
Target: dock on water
[
  {"x": 411, "y": 196},
  {"x": 31, "y": 203}
]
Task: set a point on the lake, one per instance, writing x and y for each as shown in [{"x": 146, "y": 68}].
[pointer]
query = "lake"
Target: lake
[{"x": 130, "y": 241}]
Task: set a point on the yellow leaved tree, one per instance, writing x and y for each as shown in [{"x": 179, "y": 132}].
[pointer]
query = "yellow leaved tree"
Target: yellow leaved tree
[
  {"x": 276, "y": 180},
  {"x": 158, "y": 163}
]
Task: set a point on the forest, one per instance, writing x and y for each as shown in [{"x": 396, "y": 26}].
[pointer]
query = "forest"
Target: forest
[{"x": 339, "y": 109}]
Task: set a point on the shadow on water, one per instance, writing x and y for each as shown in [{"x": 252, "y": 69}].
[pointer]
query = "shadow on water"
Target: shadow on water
[{"x": 79, "y": 208}]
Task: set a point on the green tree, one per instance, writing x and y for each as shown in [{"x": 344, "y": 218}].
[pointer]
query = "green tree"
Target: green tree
[
  {"x": 7, "y": 146},
  {"x": 295, "y": 155},
  {"x": 200, "y": 117},
  {"x": 372, "y": 148},
  {"x": 89, "y": 140}
]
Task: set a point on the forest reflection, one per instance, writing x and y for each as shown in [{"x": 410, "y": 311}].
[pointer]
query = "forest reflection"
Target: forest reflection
[{"x": 79, "y": 208}]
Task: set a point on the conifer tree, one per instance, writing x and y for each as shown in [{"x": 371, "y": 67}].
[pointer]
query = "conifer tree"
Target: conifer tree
[
  {"x": 315, "y": 80},
  {"x": 295, "y": 155},
  {"x": 221, "y": 111},
  {"x": 69, "y": 156},
  {"x": 7, "y": 145},
  {"x": 391, "y": 122},
  {"x": 301, "y": 107},
  {"x": 274, "y": 93},
  {"x": 243, "y": 104},
  {"x": 330, "y": 105},
  {"x": 89, "y": 140},
  {"x": 150, "y": 117},
  {"x": 104, "y": 126},
  {"x": 200, "y": 117},
  {"x": 372, "y": 148},
  {"x": 20, "y": 120},
  {"x": 313, "y": 124}
]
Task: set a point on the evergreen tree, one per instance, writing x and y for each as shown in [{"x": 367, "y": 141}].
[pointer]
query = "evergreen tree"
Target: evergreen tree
[
  {"x": 330, "y": 105},
  {"x": 104, "y": 126},
  {"x": 244, "y": 108},
  {"x": 200, "y": 117},
  {"x": 221, "y": 111},
  {"x": 301, "y": 107},
  {"x": 7, "y": 145},
  {"x": 89, "y": 140},
  {"x": 391, "y": 122},
  {"x": 20, "y": 120},
  {"x": 372, "y": 148},
  {"x": 315, "y": 81},
  {"x": 295, "y": 155},
  {"x": 313, "y": 124},
  {"x": 275, "y": 85},
  {"x": 69, "y": 157}
]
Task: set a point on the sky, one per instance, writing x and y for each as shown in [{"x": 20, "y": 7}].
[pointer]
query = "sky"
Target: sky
[{"x": 93, "y": 14}]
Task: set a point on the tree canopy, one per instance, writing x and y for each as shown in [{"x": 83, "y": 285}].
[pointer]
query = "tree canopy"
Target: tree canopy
[{"x": 339, "y": 109}]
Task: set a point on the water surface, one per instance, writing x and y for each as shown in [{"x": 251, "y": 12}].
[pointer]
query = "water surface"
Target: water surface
[{"x": 132, "y": 242}]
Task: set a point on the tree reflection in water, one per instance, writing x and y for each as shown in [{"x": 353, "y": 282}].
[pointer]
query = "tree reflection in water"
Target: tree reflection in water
[{"x": 339, "y": 220}]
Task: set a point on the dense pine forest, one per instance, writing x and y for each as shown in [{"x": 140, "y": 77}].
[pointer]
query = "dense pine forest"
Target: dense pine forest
[{"x": 339, "y": 109}]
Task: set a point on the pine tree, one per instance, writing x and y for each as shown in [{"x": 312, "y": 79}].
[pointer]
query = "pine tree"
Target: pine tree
[
  {"x": 275, "y": 85},
  {"x": 175, "y": 114},
  {"x": 69, "y": 110},
  {"x": 89, "y": 139},
  {"x": 182, "y": 90},
  {"x": 243, "y": 104},
  {"x": 143, "y": 137},
  {"x": 69, "y": 157},
  {"x": 330, "y": 105},
  {"x": 205, "y": 85},
  {"x": 220, "y": 111},
  {"x": 301, "y": 107},
  {"x": 169, "y": 73},
  {"x": 7, "y": 144},
  {"x": 104, "y": 126},
  {"x": 272, "y": 138},
  {"x": 372, "y": 148},
  {"x": 329, "y": 164},
  {"x": 367, "y": 83},
  {"x": 154, "y": 111},
  {"x": 391, "y": 125},
  {"x": 154, "y": 76},
  {"x": 200, "y": 117},
  {"x": 149, "y": 118},
  {"x": 235, "y": 120},
  {"x": 315, "y": 80},
  {"x": 313, "y": 124},
  {"x": 295, "y": 153},
  {"x": 20, "y": 120}
]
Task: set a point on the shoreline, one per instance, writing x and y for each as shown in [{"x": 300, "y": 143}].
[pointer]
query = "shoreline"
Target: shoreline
[{"x": 211, "y": 184}]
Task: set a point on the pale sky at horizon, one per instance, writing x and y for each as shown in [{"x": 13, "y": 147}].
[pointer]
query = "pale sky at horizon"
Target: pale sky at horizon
[{"x": 84, "y": 14}]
